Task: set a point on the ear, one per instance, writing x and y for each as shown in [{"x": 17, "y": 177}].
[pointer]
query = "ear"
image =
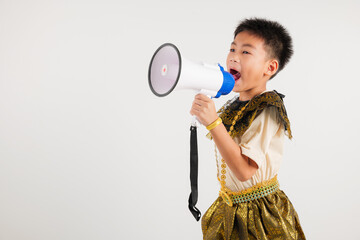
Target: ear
[{"x": 272, "y": 67}]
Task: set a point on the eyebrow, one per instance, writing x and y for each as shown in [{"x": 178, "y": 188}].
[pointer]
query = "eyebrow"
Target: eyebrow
[{"x": 245, "y": 45}]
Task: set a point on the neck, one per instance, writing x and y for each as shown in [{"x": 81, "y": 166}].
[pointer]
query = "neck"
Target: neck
[{"x": 249, "y": 94}]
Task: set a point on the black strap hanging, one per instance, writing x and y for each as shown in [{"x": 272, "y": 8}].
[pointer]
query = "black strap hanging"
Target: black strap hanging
[{"x": 194, "y": 173}]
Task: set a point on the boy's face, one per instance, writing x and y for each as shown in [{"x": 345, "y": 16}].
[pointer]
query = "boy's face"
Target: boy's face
[{"x": 247, "y": 62}]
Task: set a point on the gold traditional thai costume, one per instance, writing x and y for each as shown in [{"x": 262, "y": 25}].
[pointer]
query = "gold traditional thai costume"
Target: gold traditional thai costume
[{"x": 256, "y": 208}]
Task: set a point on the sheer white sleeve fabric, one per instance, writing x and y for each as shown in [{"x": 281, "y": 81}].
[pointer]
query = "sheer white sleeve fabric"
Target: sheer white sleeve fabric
[{"x": 262, "y": 142}]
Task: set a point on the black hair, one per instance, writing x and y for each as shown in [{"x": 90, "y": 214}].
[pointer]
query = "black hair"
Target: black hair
[{"x": 278, "y": 42}]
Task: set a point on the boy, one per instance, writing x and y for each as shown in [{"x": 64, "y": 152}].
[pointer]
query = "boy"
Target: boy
[{"x": 248, "y": 134}]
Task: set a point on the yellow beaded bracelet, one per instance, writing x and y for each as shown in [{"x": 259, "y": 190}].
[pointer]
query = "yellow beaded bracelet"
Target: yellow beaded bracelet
[{"x": 213, "y": 125}]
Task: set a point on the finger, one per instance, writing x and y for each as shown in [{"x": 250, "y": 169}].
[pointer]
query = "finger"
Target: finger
[
  {"x": 203, "y": 104},
  {"x": 196, "y": 107},
  {"x": 202, "y": 97},
  {"x": 197, "y": 102},
  {"x": 194, "y": 112}
]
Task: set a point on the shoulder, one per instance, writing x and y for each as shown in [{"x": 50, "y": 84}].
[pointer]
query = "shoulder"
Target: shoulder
[
  {"x": 274, "y": 103},
  {"x": 268, "y": 117},
  {"x": 270, "y": 113}
]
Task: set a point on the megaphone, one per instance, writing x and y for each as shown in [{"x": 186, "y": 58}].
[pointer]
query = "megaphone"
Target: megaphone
[{"x": 168, "y": 71}]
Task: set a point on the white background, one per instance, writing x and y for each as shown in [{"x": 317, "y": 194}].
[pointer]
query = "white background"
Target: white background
[{"x": 88, "y": 152}]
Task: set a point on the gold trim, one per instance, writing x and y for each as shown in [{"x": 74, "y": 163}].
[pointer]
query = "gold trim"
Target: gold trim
[
  {"x": 223, "y": 165},
  {"x": 226, "y": 198},
  {"x": 259, "y": 190},
  {"x": 255, "y": 187}
]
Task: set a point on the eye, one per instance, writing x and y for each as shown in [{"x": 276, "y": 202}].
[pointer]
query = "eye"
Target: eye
[
  {"x": 245, "y": 52},
  {"x": 232, "y": 50}
]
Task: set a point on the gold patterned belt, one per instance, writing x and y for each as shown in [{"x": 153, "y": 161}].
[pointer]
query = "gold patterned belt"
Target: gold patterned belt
[{"x": 255, "y": 192}]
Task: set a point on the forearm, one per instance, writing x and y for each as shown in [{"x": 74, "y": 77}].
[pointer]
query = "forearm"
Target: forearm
[{"x": 230, "y": 151}]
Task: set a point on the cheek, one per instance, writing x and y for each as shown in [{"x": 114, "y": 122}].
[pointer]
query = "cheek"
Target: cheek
[
  {"x": 253, "y": 68},
  {"x": 227, "y": 63}
]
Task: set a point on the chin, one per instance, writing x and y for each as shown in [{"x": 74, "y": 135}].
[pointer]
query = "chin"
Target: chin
[
  {"x": 236, "y": 89},
  {"x": 237, "y": 86}
]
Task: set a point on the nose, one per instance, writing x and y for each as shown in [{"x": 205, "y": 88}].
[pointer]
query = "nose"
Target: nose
[{"x": 234, "y": 58}]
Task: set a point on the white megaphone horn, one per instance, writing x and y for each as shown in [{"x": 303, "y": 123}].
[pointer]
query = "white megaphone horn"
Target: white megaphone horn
[{"x": 168, "y": 71}]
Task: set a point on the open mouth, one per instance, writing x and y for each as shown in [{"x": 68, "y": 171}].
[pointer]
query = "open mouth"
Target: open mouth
[{"x": 235, "y": 74}]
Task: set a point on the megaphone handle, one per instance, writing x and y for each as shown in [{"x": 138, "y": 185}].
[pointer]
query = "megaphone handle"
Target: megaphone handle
[{"x": 195, "y": 122}]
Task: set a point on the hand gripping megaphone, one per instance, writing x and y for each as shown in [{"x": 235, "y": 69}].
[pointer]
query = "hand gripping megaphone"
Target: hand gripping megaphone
[{"x": 168, "y": 71}]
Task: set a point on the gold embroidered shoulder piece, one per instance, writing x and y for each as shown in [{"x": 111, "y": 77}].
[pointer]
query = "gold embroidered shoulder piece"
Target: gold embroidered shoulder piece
[{"x": 252, "y": 109}]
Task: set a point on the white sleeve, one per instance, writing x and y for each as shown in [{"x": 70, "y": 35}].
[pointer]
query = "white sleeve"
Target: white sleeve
[{"x": 255, "y": 141}]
